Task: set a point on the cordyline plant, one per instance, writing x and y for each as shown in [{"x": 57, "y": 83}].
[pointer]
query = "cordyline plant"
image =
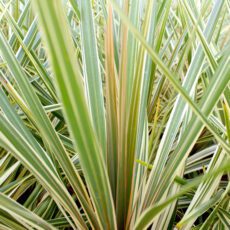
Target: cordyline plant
[{"x": 114, "y": 114}]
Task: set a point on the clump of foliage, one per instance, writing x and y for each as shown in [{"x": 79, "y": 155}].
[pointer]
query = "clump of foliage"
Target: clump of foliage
[{"x": 114, "y": 114}]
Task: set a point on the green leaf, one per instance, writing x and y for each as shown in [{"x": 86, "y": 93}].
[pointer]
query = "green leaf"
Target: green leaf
[
  {"x": 26, "y": 216},
  {"x": 70, "y": 89},
  {"x": 92, "y": 73},
  {"x": 39, "y": 118},
  {"x": 149, "y": 214}
]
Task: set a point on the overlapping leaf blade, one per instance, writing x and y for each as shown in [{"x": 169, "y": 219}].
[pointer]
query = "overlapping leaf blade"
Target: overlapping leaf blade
[{"x": 70, "y": 86}]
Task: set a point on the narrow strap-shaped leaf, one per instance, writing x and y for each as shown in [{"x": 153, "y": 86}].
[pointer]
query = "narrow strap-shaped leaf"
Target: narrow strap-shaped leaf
[
  {"x": 171, "y": 77},
  {"x": 179, "y": 108},
  {"x": 149, "y": 214},
  {"x": 132, "y": 47},
  {"x": 38, "y": 116},
  {"x": 69, "y": 84},
  {"x": 18, "y": 211},
  {"x": 8, "y": 172},
  {"x": 92, "y": 73},
  {"x": 10, "y": 222},
  {"x": 198, "y": 211},
  {"x": 207, "y": 189},
  {"x": 224, "y": 217},
  {"x": 111, "y": 105},
  {"x": 30, "y": 53},
  {"x": 194, "y": 127},
  {"x": 20, "y": 21},
  {"x": 123, "y": 170},
  {"x": 13, "y": 141}
]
